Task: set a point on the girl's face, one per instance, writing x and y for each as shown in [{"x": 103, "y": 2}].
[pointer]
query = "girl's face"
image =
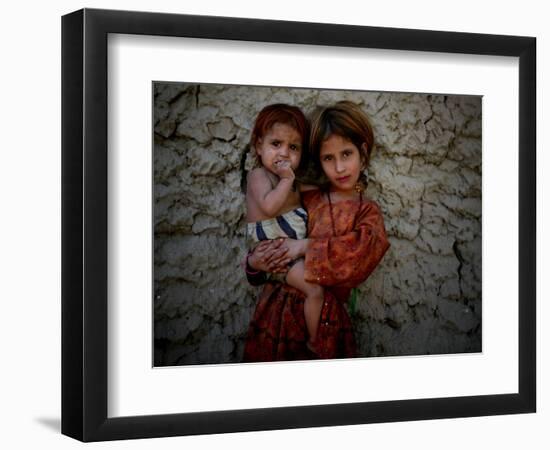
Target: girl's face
[
  {"x": 341, "y": 162},
  {"x": 281, "y": 144}
]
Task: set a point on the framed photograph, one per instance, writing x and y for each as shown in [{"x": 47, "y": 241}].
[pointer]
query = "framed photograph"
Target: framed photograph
[{"x": 424, "y": 263}]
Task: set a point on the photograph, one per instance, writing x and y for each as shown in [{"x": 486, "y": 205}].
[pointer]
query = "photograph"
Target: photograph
[{"x": 303, "y": 224}]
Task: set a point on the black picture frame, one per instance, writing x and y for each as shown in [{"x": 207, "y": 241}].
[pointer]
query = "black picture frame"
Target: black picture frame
[{"x": 84, "y": 224}]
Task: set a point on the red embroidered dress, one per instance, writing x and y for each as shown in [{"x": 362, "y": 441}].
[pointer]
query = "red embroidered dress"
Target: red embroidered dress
[{"x": 339, "y": 259}]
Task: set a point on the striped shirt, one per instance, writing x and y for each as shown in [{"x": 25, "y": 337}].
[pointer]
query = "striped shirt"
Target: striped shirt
[{"x": 292, "y": 224}]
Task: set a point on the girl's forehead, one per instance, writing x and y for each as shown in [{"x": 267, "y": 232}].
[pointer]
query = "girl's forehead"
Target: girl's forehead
[{"x": 335, "y": 143}]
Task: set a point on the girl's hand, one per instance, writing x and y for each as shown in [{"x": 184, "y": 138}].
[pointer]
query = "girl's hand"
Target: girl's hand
[
  {"x": 270, "y": 256},
  {"x": 296, "y": 248}
]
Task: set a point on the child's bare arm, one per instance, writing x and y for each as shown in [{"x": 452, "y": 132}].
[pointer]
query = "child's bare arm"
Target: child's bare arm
[{"x": 268, "y": 200}]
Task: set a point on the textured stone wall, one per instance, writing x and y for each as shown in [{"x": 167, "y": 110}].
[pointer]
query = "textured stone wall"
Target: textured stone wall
[{"x": 425, "y": 296}]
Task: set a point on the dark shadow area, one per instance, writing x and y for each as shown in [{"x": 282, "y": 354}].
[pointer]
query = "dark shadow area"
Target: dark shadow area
[{"x": 53, "y": 423}]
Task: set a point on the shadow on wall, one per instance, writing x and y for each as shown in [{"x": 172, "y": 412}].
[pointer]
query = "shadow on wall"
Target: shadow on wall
[{"x": 424, "y": 298}]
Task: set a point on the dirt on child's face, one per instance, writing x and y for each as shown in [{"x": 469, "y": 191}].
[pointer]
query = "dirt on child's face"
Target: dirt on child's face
[{"x": 282, "y": 144}]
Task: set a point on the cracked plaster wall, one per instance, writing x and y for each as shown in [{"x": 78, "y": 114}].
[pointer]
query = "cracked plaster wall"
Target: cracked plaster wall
[{"x": 424, "y": 297}]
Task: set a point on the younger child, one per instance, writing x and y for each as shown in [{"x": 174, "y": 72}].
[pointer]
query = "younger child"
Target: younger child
[{"x": 273, "y": 202}]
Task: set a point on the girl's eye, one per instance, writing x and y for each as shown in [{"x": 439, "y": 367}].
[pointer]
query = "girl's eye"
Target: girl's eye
[
  {"x": 294, "y": 147},
  {"x": 275, "y": 143},
  {"x": 347, "y": 153},
  {"x": 327, "y": 158}
]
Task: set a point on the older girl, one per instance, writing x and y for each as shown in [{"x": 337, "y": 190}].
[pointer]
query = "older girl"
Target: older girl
[{"x": 346, "y": 241}]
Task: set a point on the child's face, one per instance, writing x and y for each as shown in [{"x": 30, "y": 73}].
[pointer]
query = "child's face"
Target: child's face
[
  {"x": 341, "y": 162},
  {"x": 281, "y": 144}
]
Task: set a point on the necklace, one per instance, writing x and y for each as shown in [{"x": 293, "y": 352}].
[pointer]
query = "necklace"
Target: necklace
[{"x": 332, "y": 214}]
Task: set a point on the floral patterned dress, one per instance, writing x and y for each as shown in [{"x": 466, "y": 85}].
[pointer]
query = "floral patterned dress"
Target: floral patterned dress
[{"x": 342, "y": 252}]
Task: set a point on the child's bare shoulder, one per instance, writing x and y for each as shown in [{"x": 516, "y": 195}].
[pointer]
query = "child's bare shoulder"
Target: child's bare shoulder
[
  {"x": 259, "y": 173},
  {"x": 258, "y": 180}
]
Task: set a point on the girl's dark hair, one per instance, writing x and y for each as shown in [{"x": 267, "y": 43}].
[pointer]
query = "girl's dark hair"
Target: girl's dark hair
[
  {"x": 284, "y": 114},
  {"x": 346, "y": 119}
]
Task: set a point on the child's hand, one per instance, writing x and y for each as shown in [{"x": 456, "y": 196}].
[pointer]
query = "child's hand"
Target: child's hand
[{"x": 283, "y": 169}]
